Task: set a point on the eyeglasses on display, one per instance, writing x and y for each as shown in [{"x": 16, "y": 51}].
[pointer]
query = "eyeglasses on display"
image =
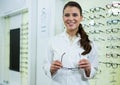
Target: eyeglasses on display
[
  {"x": 97, "y": 9},
  {"x": 113, "y": 38},
  {"x": 112, "y": 55},
  {"x": 96, "y": 17},
  {"x": 24, "y": 24},
  {"x": 114, "y": 30},
  {"x": 96, "y": 24},
  {"x": 85, "y": 11},
  {"x": 98, "y": 39},
  {"x": 116, "y": 13},
  {"x": 114, "y": 5},
  {"x": 114, "y": 22},
  {"x": 113, "y": 47},
  {"x": 95, "y": 31},
  {"x": 109, "y": 64}
]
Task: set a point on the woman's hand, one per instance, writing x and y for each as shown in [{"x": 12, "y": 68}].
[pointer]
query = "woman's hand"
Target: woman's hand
[
  {"x": 85, "y": 64},
  {"x": 55, "y": 66}
]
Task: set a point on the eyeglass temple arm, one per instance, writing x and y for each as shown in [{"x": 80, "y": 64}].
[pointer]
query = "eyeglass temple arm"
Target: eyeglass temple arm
[{"x": 62, "y": 56}]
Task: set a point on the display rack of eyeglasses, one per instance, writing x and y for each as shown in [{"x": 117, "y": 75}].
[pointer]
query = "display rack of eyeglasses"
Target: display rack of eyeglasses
[
  {"x": 103, "y": 27},
  {"x": 24, "y": 50}
]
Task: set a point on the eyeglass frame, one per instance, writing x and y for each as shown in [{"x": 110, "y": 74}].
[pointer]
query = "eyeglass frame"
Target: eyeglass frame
[
  {"x": 110, "y": 64},
  {"x": 96, "y": 9},
  {"x": 113, "y": 38},
  {"x": 113, "y": 30},
  {"x": 112, "y": 5},
  {"x": 68, "y": 68},
  {"x": 115, "y": 21},
  {"x": 113, "y": 14},
  {"x": 113, "y": 55},
  {"x": 96, "y": 17}
]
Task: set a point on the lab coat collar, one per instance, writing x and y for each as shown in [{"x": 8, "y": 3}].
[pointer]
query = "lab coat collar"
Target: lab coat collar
[{"x": 67, "y": 39}]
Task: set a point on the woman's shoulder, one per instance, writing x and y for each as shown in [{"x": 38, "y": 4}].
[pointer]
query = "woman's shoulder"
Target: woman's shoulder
[
  {"x": 92, "y": 42},
  {"x": 94, "y": 45}
]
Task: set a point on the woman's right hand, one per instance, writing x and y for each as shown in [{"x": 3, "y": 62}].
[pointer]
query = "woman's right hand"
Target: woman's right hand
[{"x": 55, "y": 66}]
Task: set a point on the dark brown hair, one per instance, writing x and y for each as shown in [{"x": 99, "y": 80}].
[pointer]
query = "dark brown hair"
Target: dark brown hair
[{"x": 84, "y": 42}]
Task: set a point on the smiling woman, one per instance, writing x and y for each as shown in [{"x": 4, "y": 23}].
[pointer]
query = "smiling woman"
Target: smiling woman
[
  {"x": 72, "y": 57},
  {"x": 72, "y": 18}
]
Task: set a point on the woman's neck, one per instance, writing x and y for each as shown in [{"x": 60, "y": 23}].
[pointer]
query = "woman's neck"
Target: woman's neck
[{"x": 71, "y": 33}]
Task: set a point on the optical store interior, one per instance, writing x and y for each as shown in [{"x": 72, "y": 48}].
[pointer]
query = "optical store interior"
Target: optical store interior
[{"x": 27, "y": 25}]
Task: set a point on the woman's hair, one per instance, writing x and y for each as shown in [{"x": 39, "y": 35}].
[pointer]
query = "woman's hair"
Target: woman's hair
[{"x": 84, "y": 42}]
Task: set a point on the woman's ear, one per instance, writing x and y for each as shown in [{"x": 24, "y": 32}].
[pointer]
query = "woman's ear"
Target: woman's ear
[{"x": 81, "y": 18}]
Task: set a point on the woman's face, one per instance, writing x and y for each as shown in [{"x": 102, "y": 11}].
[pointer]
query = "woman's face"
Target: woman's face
[{"x": 72, "y": 18}]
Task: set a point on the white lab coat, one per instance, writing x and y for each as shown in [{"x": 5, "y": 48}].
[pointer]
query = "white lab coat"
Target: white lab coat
[{"x": 61, "y": 44}]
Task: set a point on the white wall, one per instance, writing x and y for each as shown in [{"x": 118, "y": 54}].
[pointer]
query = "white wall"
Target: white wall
[
  {"x": 1, "y": 48},
  {"x": 46, "y": 28},
  {"x": 15, "y": 22},
  {"x": 8, "y": 6},
  {"x": 59, "y": 25},
  {"x": 32, "y": 41}
]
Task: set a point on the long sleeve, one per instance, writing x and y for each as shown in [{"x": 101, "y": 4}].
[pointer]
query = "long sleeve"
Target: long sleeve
[{"x": 93, "y": 58}]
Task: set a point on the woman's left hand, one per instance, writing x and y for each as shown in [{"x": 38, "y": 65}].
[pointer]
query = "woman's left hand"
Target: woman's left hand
[{"x": 85, "y": 64}]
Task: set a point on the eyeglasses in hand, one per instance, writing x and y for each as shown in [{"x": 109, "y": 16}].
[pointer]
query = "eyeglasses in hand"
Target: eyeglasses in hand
[{"x": 69, "y": 68}]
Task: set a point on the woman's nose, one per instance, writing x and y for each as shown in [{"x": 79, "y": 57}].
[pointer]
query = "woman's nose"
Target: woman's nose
[{"x": 71, "y": 18}]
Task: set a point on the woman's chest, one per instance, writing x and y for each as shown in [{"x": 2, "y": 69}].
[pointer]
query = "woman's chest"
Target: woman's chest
[{"x": 67, "y": 54}]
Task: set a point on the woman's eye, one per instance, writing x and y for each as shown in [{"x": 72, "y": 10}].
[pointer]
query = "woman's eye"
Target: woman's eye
[
  {"x": 75, "y": 14},
  {"x": 67, "y": 15}
]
